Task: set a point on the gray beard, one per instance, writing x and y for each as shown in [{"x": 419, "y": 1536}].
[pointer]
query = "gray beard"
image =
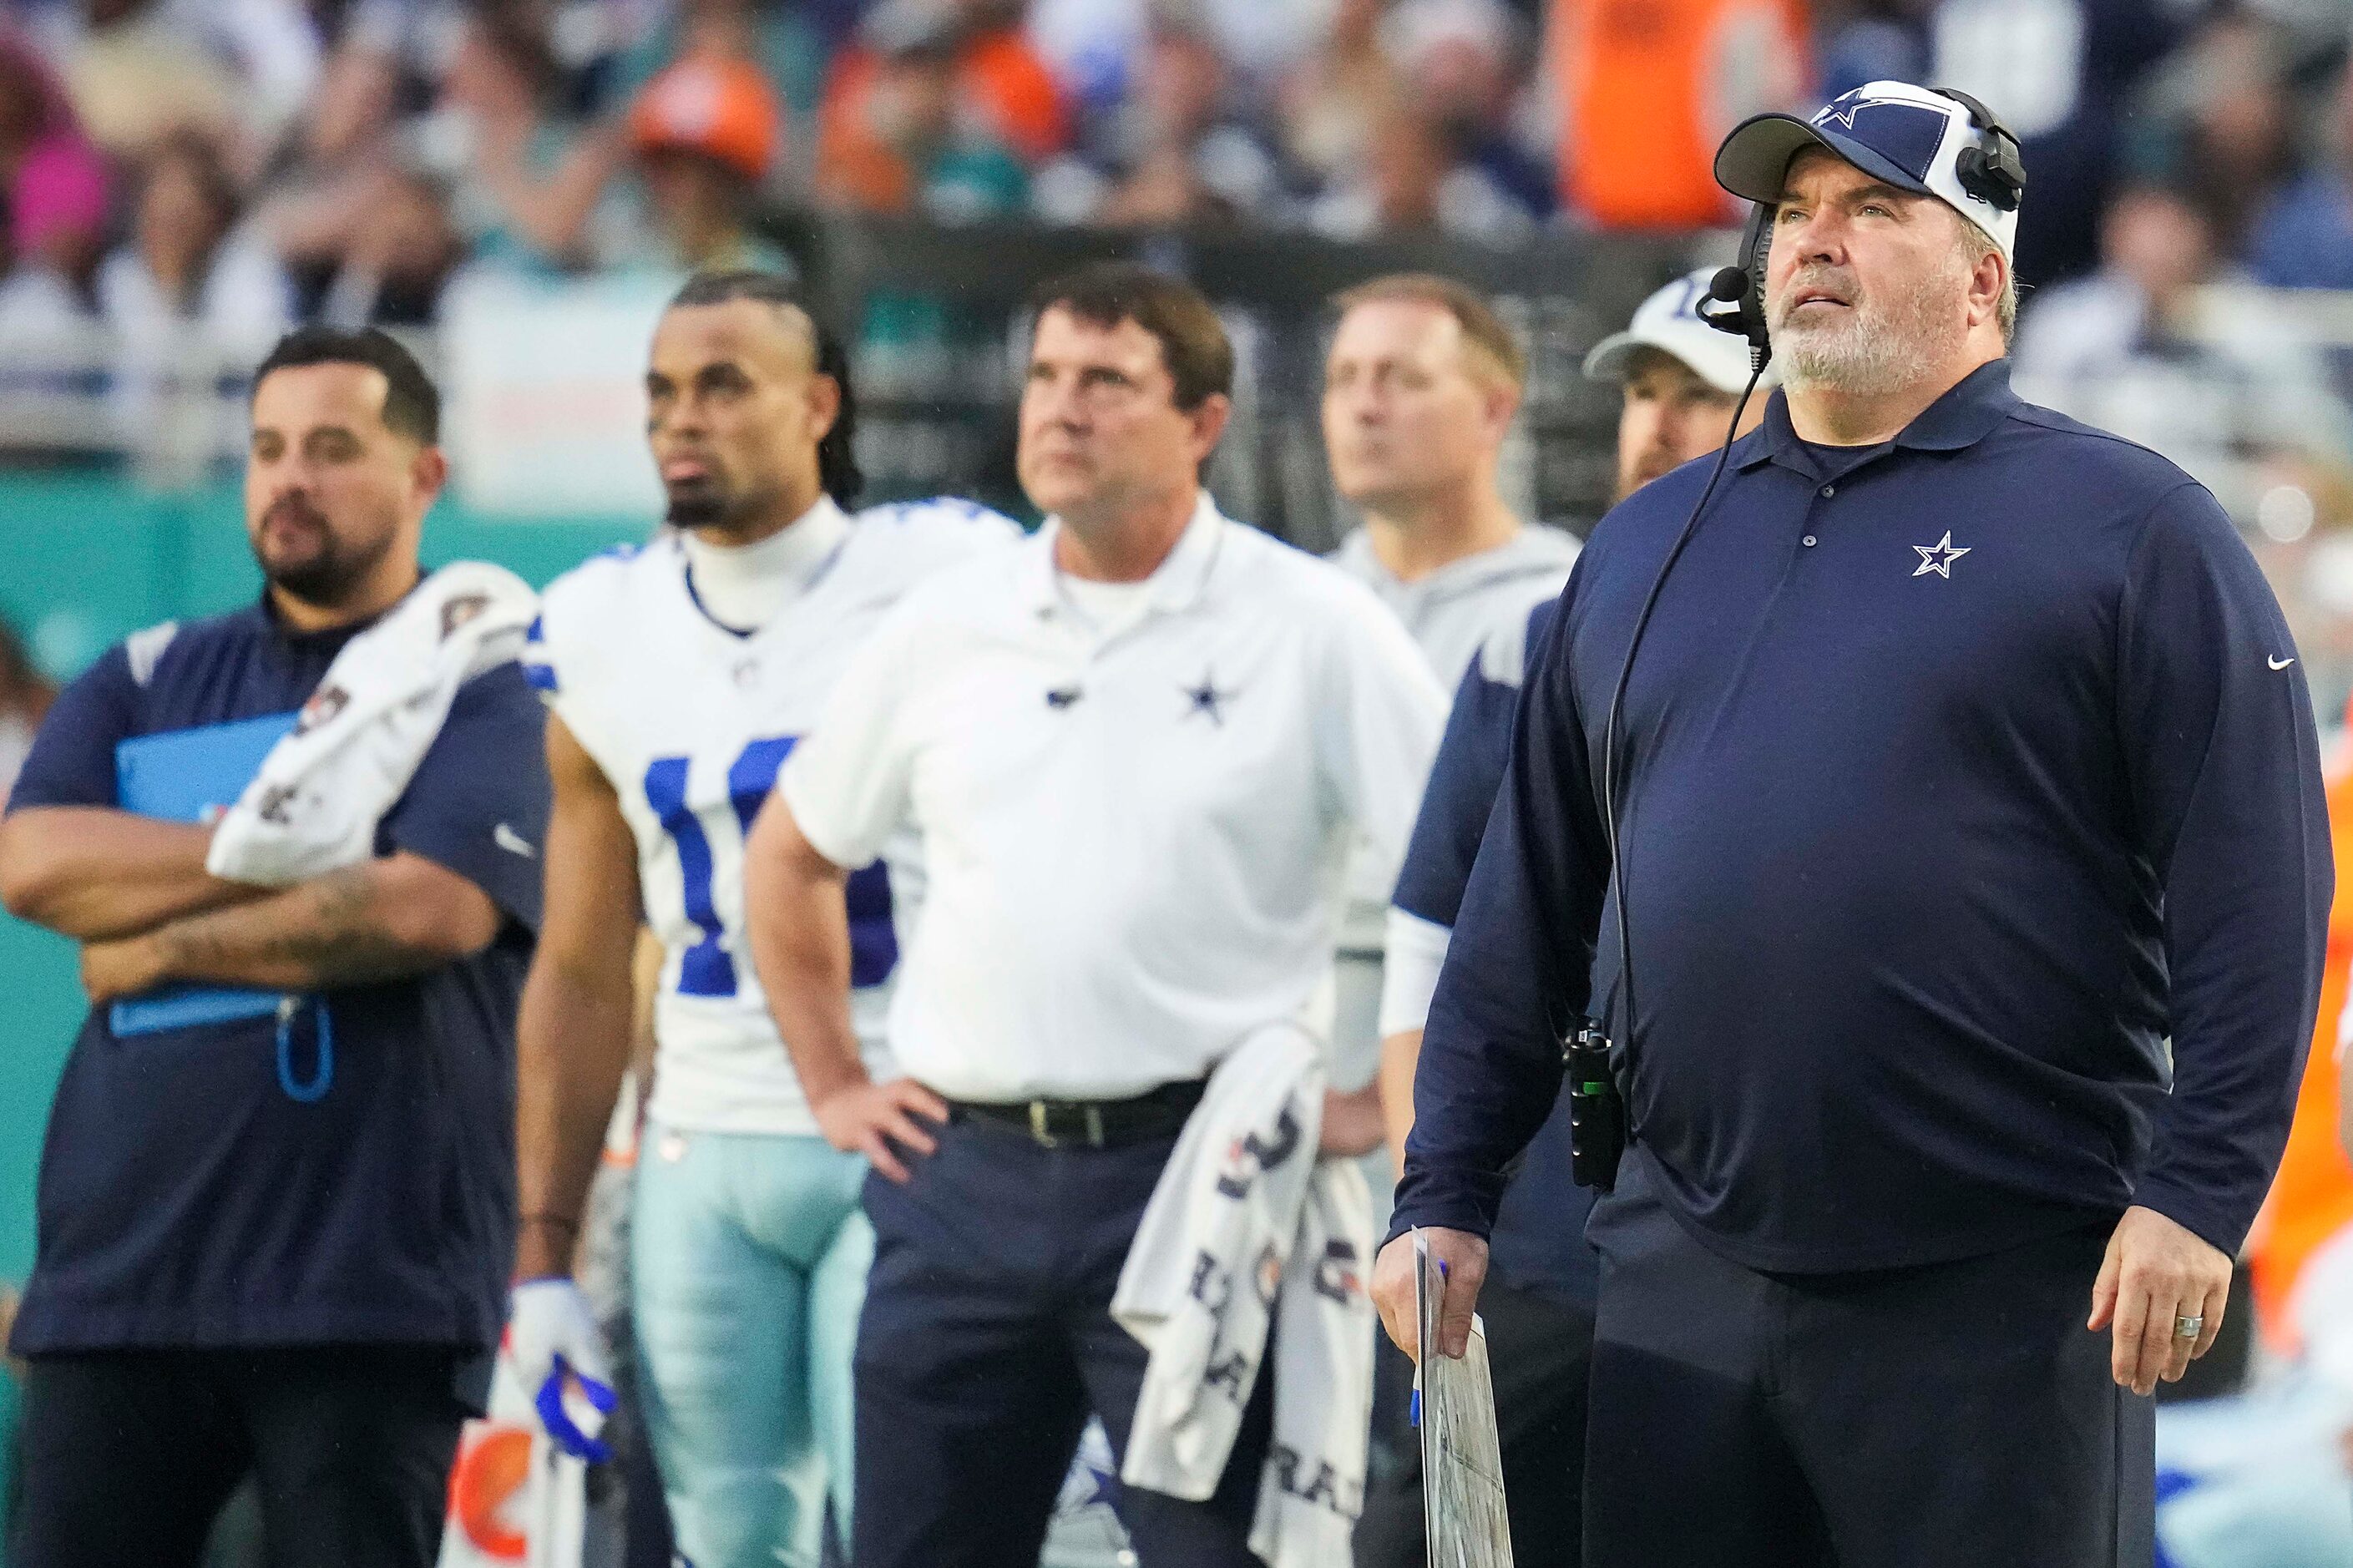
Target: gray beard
[{"x": 1877, "y": 349}]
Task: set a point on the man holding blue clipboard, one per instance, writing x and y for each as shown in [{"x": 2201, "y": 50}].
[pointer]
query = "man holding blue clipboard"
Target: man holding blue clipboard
[{"x": 277, "y": 1194}]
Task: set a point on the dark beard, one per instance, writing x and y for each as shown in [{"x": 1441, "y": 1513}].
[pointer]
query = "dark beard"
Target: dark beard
[
  {"x": 712, "y": 505},
  {"x": 329, "y": 577},
  {"x": 697, "y": 511}
]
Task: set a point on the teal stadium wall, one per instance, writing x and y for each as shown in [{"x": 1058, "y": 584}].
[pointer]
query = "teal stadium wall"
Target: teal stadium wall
[{"x": 83, "y": 561}]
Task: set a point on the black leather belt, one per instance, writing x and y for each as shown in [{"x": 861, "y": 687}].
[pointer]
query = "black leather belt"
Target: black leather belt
[{"x": 1091, "y": 1124}]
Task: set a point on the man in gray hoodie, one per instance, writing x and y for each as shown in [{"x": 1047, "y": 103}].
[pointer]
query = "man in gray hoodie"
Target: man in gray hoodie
[{"x": 1421, "y": 385}]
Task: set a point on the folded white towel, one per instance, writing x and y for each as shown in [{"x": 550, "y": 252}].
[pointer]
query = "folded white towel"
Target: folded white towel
[
  {"x": 1247, "y": 1224},
  {"x": 314, "y": 806}
]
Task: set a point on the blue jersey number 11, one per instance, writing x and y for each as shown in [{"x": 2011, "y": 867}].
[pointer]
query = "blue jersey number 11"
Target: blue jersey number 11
[{"x": 707, "y": 969}]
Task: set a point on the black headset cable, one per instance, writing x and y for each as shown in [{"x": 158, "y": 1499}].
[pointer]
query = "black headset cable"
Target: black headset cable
[{"x": 1612, "y": 783}]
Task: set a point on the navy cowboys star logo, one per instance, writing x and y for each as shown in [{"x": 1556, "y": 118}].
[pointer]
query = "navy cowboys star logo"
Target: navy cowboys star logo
[
  {"x": 1939, "y": 557},
  {"x": 1841, "y": 111},
  {"x": 1207, "y": 698},
  {"x": 1903, "y": 130}
]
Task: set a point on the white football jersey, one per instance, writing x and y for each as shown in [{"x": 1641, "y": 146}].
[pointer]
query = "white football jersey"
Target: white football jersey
[{"x": 689, "y": 720}]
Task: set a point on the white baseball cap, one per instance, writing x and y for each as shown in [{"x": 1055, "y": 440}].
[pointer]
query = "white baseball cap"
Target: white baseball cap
[
  {"x": 1669, "y": 322},
  {"x": 1914, "y": 138}
]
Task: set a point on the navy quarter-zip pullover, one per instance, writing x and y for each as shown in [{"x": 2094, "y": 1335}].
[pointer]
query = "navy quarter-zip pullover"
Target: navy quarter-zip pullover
[{"x": 1956, "y": 782}]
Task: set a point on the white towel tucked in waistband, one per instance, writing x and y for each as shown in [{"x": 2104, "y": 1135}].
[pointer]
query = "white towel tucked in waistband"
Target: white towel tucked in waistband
[{"x": 1248, "y": 1226}]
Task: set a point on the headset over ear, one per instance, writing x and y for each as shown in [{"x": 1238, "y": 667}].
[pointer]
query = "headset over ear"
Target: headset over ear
[
  {"x": 1735, "y": 295},
  {"x": 1992, "y": 171}
]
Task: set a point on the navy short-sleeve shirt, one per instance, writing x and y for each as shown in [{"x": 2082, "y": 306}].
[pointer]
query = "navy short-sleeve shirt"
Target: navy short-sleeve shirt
[{"x": 187, "y": 1198}]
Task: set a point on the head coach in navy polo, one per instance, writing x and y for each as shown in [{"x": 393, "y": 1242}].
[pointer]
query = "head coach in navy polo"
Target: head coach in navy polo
[
  {"x": 276, "y": 1203},
  {"x": 1138, "y": 750},
  {"x": 1972, "y": 875}
]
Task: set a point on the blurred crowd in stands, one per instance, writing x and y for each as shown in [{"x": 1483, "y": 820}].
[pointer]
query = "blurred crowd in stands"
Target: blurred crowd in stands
[
  {"x": 234, "y": 163},
  {"x": 183, "y": 178}
]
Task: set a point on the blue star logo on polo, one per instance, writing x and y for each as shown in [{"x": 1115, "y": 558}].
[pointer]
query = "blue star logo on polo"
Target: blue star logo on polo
[
  {"x": 1206, "y": 698},
  {"x": 1939, "y": 557}
]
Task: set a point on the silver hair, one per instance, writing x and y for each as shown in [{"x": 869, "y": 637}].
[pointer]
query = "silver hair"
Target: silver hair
[{"x": 1976, "y": 245}]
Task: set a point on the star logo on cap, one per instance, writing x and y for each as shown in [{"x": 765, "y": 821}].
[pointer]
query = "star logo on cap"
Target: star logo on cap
[
  {"x": 1851, "y": 102},
  {"x": 1939, "y": 557}
]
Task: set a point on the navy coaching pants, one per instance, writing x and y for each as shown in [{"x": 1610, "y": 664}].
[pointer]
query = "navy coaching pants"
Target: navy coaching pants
[
  {"x": 1952, "y": 1416},
  {"x": 129, "y": 1454},
  {"x": 987, "y": 1338}
]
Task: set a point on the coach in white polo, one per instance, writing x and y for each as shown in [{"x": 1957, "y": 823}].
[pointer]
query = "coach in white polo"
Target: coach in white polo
[{"x": 1137, "y": 751}]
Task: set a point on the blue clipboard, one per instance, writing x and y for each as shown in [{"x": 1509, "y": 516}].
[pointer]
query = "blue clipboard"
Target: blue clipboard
[{"x": 188, "y": 775}]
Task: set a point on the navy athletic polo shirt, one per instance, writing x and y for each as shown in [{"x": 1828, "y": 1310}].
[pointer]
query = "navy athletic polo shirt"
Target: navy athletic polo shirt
[
  {"x": 1955, "y": 783},
  {"x": 1538, "y": 1241},
  {"x": 186, "y": 1197}
]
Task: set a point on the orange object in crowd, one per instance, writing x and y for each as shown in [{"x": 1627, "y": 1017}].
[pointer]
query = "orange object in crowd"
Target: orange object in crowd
[
  {"x": 999, "y": 80},
  {"x": 854, "y": 164},
  {"x": 2312, "y": 1197},
  {"x": 1653, "y": 85},
  {"x": 723, "y": 108},
  {"x": 1000, "y": 71}
]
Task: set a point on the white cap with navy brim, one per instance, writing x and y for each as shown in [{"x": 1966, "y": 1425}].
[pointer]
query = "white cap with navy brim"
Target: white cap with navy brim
[
  {"x": 1669, "y": 322},
  {"x": 1893, "y": 130}
]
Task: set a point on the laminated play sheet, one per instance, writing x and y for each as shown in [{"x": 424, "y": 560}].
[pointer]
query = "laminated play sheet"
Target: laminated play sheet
[{"x": 1461, "y": 1462}]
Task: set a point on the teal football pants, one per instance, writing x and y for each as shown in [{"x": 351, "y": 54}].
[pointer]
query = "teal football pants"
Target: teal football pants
[{"x": 748, "y": 1260}]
